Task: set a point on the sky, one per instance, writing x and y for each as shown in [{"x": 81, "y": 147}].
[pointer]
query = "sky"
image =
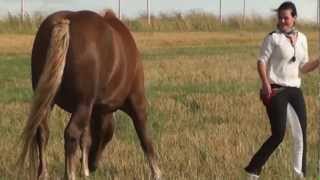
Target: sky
[{"x": 132, "y": 8}]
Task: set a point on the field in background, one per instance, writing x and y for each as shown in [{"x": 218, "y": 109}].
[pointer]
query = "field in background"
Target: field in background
[
  {"x": 205, "y": 116},
  {"x": 165, "y": 22}
]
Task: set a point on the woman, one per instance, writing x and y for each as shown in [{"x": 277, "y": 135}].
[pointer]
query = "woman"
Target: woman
[{"x": 284, "y": 53}]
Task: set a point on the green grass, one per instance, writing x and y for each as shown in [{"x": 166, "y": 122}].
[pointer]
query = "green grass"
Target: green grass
[
  {"x": 196, "y": 51},
  {"x": 15, "y": 84},
  {"x": 214, "y": 88}
]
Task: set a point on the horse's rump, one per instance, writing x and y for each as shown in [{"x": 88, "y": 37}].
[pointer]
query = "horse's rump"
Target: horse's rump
[{"x": 101, "y": 54}]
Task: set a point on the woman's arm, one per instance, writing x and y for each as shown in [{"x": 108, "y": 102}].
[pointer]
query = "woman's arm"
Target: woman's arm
[
  {"x": 310, "y": 66},
  {"x": 265, "y": 54},
  {"x": 262, "y": 70}
]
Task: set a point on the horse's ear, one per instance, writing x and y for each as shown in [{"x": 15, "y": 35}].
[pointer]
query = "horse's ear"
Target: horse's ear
[{"x": 109, "y": 14}]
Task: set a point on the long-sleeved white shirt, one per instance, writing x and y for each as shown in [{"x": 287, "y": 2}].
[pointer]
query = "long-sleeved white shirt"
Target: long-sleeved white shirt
[{"x": 276, "y": 52}]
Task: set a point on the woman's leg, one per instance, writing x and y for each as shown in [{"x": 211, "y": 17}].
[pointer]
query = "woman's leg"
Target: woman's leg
[
  {"x": 277, "y": 113},
  {"x": 299, "y": 124}
]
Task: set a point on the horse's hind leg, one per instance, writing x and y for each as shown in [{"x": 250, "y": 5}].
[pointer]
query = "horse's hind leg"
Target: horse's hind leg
[
  {"x": 102, "y": 128},
  {"x": 78, "y": 123},
  {"x": 42, "y": 140},
  {"x": 135, "y": 107},
  {"x": 85, "y": 143}
]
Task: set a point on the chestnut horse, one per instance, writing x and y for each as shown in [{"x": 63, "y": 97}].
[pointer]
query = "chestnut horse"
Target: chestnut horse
[{"x": 89, "y": 66}]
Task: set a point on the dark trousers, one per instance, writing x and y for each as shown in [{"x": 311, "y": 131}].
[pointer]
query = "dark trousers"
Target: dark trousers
[{"x": 277, "y": 113}]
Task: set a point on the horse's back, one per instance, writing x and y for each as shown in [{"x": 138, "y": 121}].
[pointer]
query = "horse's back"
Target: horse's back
[{"x": 100, "y": 63}]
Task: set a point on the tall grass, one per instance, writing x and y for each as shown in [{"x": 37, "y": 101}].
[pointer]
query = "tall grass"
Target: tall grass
[
  {"x": 14, "y": 24},
  {"x": 203, "y": 21},
  {"x": 192, "y": 21},
  {"x": 197, "y": 21}
]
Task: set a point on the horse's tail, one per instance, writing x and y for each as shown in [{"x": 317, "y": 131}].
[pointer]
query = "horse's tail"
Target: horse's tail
[{"x": 45, "y": 92}]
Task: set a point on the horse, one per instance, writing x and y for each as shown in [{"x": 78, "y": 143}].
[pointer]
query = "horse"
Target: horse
[{"x": 89, "y": 66}]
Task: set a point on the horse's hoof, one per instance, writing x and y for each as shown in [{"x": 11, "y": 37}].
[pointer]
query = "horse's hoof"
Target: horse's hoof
[
  {"x": 92, "y": 167},
  {"x": 86, "y": 173},
  {"x": 157, "y": 176},
  {"x": 43, "y": 176}
]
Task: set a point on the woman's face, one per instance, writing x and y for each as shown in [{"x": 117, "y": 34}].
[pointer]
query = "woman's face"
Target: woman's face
[{"x": 286, "y": 20}]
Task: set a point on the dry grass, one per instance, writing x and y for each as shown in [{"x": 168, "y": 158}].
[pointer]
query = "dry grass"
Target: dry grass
[
  {"x": 205, "y": 116},
  {"x": 15, "y": 45}
]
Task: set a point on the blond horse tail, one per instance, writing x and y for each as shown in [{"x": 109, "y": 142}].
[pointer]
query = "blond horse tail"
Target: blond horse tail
[{"x": 45, "y": 92}]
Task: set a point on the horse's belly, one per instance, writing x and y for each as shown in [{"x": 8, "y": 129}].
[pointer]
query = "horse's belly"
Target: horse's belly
[
  {"x": 66, "y": 101},
  {"x": 113, "y": 96}
]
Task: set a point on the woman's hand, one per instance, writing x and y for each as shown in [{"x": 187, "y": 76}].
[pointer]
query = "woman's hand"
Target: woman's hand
[
  {"x": 266, "y": 89},
  {"x": 310, "y": 66}
]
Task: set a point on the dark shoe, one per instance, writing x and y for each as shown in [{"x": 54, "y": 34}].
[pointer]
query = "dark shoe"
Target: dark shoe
[{"x": 253, "y": 171}]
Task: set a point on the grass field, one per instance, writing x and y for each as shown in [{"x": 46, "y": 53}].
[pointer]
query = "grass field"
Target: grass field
[{"x": 205, "y": 116}]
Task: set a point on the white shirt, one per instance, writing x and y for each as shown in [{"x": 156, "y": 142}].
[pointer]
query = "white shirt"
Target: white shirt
[{"x": 276, "y": 52}]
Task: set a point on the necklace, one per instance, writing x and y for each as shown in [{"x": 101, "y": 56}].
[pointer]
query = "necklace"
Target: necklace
[{"x": 290, "y": 34}]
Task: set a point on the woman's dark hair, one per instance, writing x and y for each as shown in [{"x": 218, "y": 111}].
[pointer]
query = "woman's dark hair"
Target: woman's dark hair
[{"x": 285, "y": 6}]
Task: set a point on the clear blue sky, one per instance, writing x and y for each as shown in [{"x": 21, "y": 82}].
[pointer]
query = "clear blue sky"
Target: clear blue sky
[{"x": 132, "y": 8}]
